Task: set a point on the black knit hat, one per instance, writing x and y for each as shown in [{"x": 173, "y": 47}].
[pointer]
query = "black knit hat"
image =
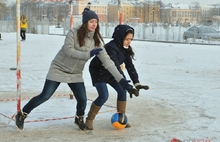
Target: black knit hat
[{"x": 88, "y": 15}]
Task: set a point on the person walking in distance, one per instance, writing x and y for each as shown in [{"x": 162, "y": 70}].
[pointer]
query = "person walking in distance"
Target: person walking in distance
[
  {"x": 23, "y": 26},
  {"x": 80, "y": 45},
  {"x": 120, "y": 51}
]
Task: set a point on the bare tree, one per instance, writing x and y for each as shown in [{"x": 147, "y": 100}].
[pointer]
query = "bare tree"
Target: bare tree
[
  {"x": 3, "y": 10},
  {"x": 196, "y": 5}
]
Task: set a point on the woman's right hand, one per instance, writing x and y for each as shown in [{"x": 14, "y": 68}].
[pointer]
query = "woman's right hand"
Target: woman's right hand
[{"x": 125, "y": 84}]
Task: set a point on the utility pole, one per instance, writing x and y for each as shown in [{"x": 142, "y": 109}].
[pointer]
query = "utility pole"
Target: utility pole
[
  {"x": 71, "y": 13},
  {"x": 153, "y": 21},
  {"x": 121, "y": 22},
  {"x": 89, "y": 5},
  {"x": 120, "y": 12}
]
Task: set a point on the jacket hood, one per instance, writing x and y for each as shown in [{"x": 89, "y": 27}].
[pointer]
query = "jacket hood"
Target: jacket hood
[{"x": 119, "y": 33}]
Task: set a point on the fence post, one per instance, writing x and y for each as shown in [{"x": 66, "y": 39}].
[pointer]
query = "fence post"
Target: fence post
[
  {"x": 194, "y": 37},
  {"x": 179, "y": 38}
]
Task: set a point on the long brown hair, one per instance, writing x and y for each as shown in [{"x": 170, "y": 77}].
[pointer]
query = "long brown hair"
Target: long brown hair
[
  {"x": 130, "y": 50},
  {"x": 81, "y": 34}
]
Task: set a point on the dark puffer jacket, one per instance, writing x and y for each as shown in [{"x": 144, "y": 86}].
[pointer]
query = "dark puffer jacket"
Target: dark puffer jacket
[{"x": 118, "y": 54}]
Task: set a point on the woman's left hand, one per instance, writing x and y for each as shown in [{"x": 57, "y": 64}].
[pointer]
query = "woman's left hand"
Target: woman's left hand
[
  {"x": 133, "y": 91},
  {"x": 145, "y": 87}
]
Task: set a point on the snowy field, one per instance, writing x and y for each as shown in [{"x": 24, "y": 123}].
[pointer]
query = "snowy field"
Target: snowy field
[{"x": 182, "y": 102}]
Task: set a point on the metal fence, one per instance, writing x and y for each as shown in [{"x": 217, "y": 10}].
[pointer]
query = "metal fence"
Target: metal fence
[{"x": 157, "y": 32}]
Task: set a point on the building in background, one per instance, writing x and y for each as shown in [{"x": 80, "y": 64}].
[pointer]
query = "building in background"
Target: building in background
[
  {"x": 99, "y": 7},
  {"x": 180, "y": 14},
  {"x": 135, "y": 11}
]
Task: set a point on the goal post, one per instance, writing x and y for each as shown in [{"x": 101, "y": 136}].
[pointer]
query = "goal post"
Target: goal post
[{"x": 18, "y": 71}]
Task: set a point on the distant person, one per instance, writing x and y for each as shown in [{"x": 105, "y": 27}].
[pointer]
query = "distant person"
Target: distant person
[
  {"x": 0, "y": 36},
  {"x": 120, "y": 51},
  {"x": 80, "y": 45},
  {"x": 23, "y": 26}
]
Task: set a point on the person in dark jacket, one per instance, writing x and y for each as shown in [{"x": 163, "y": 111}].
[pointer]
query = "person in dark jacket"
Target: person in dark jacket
[
  {"x": 120, "y": 52},
  {"x": 80, "y": 45}
]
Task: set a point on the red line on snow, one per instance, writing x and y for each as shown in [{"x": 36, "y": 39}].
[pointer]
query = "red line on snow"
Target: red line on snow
[
  {"x": 15, "y": 99},
  {"x": 48, "y": 119}
]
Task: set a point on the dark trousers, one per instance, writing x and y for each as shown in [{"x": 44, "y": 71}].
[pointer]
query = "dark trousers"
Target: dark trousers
[
  {"x": 23, "y": 34},
  {"x": 49, "y": 89},
  {"x": 103, "y": 92}
]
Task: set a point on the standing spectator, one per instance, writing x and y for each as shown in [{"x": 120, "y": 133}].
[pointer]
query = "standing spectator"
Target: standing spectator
[{"x": 23, "y": 26}]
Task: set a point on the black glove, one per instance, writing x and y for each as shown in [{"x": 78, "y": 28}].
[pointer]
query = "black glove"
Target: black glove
[
  {"x": 145, "y": 87},
  {"x": 125, "y": 84},
  {"x": 133, "y": 91},
  {"x": 95, "y": 51}
]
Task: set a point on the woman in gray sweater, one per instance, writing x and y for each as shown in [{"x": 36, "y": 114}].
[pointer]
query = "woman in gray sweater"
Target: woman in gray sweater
[{"x": 80, "y": 45}]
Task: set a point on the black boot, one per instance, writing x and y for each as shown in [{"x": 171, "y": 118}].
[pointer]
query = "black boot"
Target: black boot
[
  {"x": 19, "y": 119},
  {"x": 80, "y": 122}
]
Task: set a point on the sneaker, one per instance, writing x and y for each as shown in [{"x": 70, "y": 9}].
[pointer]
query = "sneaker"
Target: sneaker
[
  {"x": 19, "y": 119},
  {"x": 79, "y": 121}
]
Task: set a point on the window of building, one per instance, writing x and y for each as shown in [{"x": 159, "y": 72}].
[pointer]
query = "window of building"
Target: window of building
[{"x": 173, "y": 13}]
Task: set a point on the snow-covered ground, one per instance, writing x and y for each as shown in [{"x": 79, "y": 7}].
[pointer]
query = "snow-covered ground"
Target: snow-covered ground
[{"x": 183, "y": 99}]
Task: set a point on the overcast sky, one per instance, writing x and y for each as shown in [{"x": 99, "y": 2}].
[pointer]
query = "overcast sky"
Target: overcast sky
[{"x": 190, "y": 1}]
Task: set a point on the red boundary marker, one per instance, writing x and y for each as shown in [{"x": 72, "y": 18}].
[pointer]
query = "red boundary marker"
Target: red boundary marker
[
  {"x": 62, "y": 118},
  {"x": 5, "y": 115},
  {"x": 15, "y": 99},
  {"x": 48, "y": 119}
]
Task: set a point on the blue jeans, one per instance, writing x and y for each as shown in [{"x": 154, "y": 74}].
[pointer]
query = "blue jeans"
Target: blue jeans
[
  {"x": 103, "y": 92},
  {"x": 49, "y": 89}
]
